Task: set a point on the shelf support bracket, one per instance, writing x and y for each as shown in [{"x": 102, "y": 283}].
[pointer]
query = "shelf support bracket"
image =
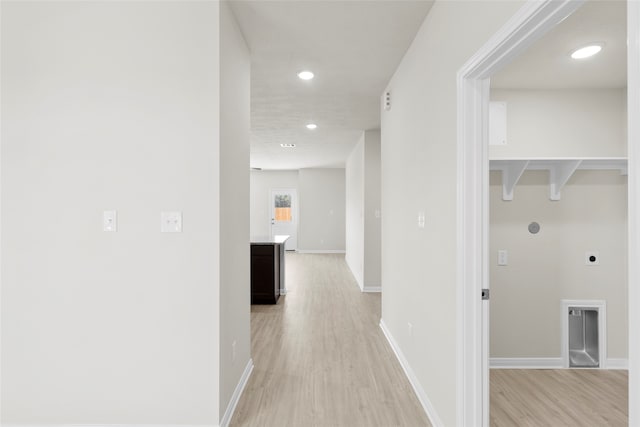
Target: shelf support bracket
[
  {"x": 559, "y": 174},
  {"x": 510, "y": 176}
]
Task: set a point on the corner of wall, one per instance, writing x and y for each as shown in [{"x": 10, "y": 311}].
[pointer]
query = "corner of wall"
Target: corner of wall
[
  {"x": 354, "y": 271},
  {"x": 237, "y": 393},
  {"x": 421, "y": 394}
]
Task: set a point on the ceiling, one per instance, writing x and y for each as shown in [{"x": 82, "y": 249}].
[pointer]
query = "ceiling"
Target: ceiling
[
  {"x": 547, "y": 64},
  {"x": 353, "y": 47}
]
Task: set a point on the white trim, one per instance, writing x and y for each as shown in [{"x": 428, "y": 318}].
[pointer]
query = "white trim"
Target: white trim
[
  {"x": 413, "y": 380},
  {"x": 372, "y": 289},
  {"x": 601, "y": 306},
  {"x": 532, "y": 21},
  {"x": 321, "y": 251},
  {"x": 525, "y": 363},
  {"x": 633, "y": 153},
  {"x": 545, "y": 363},
  {"x": 235, "y": 398}
]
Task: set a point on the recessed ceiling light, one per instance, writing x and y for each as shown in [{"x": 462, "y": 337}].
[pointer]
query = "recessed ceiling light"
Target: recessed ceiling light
[
  {"x": 287, "y": 145},
  {"x": 312, "y": 126},
  {"x": 586, "y": 51},
  {"x": 305, "y": 75}
]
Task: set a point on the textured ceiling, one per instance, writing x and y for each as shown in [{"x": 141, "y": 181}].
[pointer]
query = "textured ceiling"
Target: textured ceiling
[
  {"x": 547, "y": 64},
  {"x": 353, "y": 47}
]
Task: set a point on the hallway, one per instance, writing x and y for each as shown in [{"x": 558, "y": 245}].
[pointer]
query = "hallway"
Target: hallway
[{"x": 320, "y": 357}]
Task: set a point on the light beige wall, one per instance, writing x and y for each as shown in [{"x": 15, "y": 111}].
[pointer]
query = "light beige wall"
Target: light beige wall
[
  {"x": 549, "y": 266},
  {"x": 110, "y": 105},
  {"x": 355, "y": 211},
  {"x": 372, "y": 222},
  {"x": 322, "y": 209},
  {"x": 419, "y": 155},
  {"x": 563, "y": 123},
  {"x": 235, "y": 330}
]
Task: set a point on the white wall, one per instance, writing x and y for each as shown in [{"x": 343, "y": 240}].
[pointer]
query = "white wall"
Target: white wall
[
  {"x": 372, "y": 221},
  {"x": 549, "y": 266},
  {"x": 354, "y": 194},
  {"x": 115, "y": 105},
  {"x": 235, "y": 328},
  {"x": 563, "y": 123},
  {"x": 322, "y": 209},
  {"x": 419, "y": 174},
  {"x": 362, "y": 203},
  {"x": 261, "y": 184}
]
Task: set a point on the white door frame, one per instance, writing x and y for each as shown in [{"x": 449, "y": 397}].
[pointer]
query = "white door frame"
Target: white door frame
[{"x": 532, "y": 21}]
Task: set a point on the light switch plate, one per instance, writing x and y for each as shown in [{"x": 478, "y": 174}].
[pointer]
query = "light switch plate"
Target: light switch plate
[
  {"x": 421, "y": 219},
  {"x": 110, "y": 221},
  {"x": 171, "y": 222}
]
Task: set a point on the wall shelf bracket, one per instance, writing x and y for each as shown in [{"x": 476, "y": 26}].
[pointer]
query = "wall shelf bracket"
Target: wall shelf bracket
[
  {"x": 560, "y": 170},
  {"x": 559, "y": 173},
  {"x": 511, "y": 174}
]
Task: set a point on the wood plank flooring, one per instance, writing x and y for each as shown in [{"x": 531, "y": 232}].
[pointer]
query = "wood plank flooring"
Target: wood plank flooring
[
  {"x": 321, "y": 360},
  {"x": 320, "y": 357},
  {"x": 558, "y": 397}
]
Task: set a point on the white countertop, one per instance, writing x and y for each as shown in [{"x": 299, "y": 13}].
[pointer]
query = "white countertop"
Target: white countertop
[{"x": 278, "y": 238}]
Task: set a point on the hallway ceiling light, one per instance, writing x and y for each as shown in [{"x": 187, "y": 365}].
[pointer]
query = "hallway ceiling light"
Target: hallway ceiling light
[
  {"x": 305, "y": 75},
  {"x": 287, "y": 145},
  {"x": 312, "y": 126},
  {"x": 586, "y": 51}
]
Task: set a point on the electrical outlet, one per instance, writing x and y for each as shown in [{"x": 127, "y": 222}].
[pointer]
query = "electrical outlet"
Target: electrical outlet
[
  {"x": 421, "y": 219},
  {"x": 503, "y": 257},
  {"x": 110, "y": 221},
  {"x": 171, "y": 222}
]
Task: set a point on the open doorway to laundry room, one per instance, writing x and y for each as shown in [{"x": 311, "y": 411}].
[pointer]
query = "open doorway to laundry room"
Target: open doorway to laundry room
[
  {"x": 558, "y": 226},
  {"x": 557, "y": 192}
]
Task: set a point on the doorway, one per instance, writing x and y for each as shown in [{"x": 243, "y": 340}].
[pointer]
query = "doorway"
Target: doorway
[
  {"x": 283, "y": 208},
  {"x": 528, "y": 25}
]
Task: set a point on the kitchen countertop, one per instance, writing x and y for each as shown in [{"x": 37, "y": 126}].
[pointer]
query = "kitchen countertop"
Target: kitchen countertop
[{"x": 277, "y": 239}]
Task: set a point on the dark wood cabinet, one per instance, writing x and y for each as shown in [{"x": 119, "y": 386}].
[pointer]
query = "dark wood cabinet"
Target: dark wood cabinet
[
  {"x": 267, "y": 269},
  {"x": 265, "y": 273}
]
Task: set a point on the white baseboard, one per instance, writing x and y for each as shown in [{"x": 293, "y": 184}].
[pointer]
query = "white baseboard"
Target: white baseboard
[
  {"x": 413, "y": 380},
  {"x": 545, "y": 363},
  {"x": 235, "y": 398},
  {"x": 369, "y": 288},
  {"x": 617, "y": 364},
  {"x": 321, "y": 251},
  {"x": 525, "y": 363}
]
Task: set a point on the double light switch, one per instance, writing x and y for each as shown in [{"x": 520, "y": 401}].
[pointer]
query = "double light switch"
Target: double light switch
[{"x": 170, "y": 222}]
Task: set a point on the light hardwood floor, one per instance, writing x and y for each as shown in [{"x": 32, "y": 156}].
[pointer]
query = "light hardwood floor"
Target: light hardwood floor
[
  {"x": 562, "y": 397},
  {"x": 321, "y": 358}
]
